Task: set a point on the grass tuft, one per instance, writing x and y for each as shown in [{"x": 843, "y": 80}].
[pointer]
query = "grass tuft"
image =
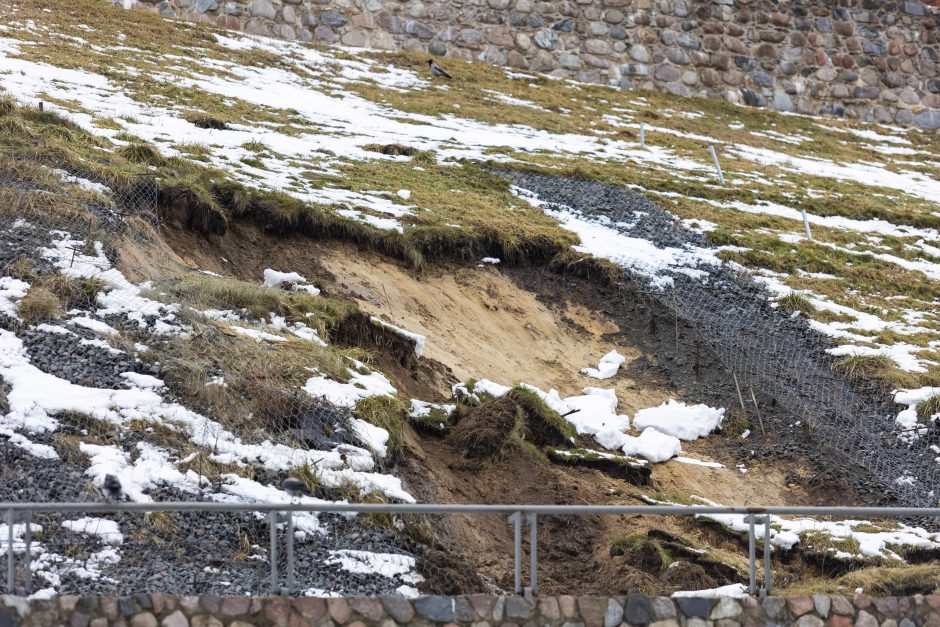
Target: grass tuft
[
  {"x": 23, "y": 269},
  {"x": 74, "y": 293},
  {"x": 928, "y": 408},
  {"x": 389, "y": 414},
  {"x": 544, "y": 426},
  {"x": 7, "y": 105},
  {"x": 142, "y": 154},
  {"x": 206, "y": 121},
  {"x": 864, "y": 367},
  {"x": 796, "y": 302},
  {"x": 39, "y": 305}
]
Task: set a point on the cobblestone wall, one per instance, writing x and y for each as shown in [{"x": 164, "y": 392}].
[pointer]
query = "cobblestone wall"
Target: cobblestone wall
[
  {"x": 476, "y": 610},
  {"x": 878, "y": 60}
]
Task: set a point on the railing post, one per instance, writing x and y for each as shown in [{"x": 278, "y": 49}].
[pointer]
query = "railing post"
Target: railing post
[
  {"x": 291, "y": 584},
  {"x": 533, "y": 556},
  {"x": 11, "y": 557},
  {"x": 768, "y": 572},
  {"x": 28, "y": 567},
  {"x": 752, "y": 555},
  {"x": 272, "y": 523},
  {"x": 516, "y": 519}
]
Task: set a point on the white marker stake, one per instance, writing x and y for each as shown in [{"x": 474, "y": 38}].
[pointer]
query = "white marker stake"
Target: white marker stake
[
  {"x": 809, "y": 235},
  {"x": 642, "y": 134},
  {"x": 721, "y": 177}
]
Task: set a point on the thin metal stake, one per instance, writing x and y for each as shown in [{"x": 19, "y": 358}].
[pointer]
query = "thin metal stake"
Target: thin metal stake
[
  {"x": 757, "y": 409},
  {"x": 533, "y": 555},
  {"x": 29, "y": 567},
  {"x": 809, "y": 235},
  {"x": 272, "y": 523},
  {"x": 291, "y": 585},
  {"x": 516, "y": 519},
  {"x": 752, "y": 555},
  {"x": 642, "y": 134},
  {"x": 721, "y": 177},
  {"x": 11, "y": 558},
  {"x": 738, "y": 388},
  {"x": 768, "y": 575}
]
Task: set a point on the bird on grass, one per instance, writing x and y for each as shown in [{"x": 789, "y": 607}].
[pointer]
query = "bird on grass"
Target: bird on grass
[
  {"x": 295, "y": 488},
  {"x": 111, "y": 488},
  {"x": 437, "y": 70}
]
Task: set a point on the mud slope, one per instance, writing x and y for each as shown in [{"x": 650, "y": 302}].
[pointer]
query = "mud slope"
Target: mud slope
[
  {"x": 528, "y": 324},
  {"x": 531, "y": 325}
]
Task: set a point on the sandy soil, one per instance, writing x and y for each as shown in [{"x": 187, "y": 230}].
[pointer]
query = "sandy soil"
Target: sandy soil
[{"x": 480, "y": 324}]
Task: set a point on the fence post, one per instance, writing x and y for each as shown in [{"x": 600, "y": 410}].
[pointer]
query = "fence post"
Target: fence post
[
  {"x": 28, "y": 568},
  {"x": 768, "y": 574},
  {"x": 516, "y": 520},
  {"x": 642, "y": 134},
  {"x": 272, "y": 523},
  {"x": 809, "y": 235},
  {"x": 721, "y": 177},
  {"x": 533, "y": 556},
  {"x": 11, "y": 558},
  {"x": 752, "y": 555},
  {"x": 290, "y": 553}
]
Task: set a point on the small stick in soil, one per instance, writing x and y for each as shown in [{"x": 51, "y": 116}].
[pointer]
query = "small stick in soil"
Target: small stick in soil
[
  {"x": 757, "y": 409},
  {"x": 738, "y": 388}
]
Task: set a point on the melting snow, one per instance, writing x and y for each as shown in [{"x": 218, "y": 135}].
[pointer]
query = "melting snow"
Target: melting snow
[{"x": 608, "y": 366}]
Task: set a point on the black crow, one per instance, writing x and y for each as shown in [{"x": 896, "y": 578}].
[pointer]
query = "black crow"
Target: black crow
[
  {"x": 436, "y": 70},
  {"x": 295, "y": 488}
]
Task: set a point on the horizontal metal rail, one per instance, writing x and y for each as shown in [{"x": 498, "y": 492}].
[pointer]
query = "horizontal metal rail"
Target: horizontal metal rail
[
  {"x": 518, "y": 514},
  {"x": 411, "y": 508}
]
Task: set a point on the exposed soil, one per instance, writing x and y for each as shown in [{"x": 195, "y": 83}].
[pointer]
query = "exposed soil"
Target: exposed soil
[{"x": 533, "y": 325}]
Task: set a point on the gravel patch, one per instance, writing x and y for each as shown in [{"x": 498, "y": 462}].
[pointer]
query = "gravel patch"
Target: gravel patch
[{"x": 777, "y": 356}]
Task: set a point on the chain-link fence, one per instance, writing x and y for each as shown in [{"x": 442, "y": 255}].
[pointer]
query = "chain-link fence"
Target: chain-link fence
[{"x": 767, "y": 352}]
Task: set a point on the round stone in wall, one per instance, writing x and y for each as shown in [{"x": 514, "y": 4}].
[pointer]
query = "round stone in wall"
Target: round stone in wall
[
  {"x": 204, "y": 6},
  {"x": 333, "y": 19},
  {"x": 546, "y": 38},
  {"x": 262, "y": 8}
]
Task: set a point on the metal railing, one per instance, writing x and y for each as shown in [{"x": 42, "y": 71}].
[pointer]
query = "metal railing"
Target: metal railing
[{"x": 518, "y": 515}]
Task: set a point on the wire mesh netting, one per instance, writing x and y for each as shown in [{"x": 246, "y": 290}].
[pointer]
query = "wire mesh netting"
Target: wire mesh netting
[
  {"x": 180, "y": 384},
  {"x": 225, "y": 553},
  {"x": 767, "y": 352},
  {"x": 202, "y": 402}
]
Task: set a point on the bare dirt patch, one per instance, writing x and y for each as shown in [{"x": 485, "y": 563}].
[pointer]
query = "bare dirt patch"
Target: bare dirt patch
[{"x": 530, "y": 325}]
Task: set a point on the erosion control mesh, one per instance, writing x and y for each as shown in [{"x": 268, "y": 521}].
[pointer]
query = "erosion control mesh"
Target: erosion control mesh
[
  {"x": 63, "y": 229},
  {"x": 184, "y": 384},
  {"x": 767, "y": 351}
]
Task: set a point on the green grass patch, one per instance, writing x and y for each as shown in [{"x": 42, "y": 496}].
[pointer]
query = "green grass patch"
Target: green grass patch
[
  {"x": 862, "y": 367},
  {"x": 389, "y": 414}
]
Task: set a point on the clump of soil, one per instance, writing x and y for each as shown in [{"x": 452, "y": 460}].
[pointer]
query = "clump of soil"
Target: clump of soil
[
  {"x": 394, "y": 150},
  {"x": 205, "y": 121},
  {"x": 520, "y": 416},
  {"x": 688, "y": 576},
  {"x": 483, "y": 431},
  {"x": 184, "y": 207},
  {"x": 447, "y": 572}
]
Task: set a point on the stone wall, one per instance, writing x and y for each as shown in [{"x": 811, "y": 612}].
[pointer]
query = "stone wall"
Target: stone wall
[
  {"x": 877, "y": 60},
  {"x": 476, "y": 610}
]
